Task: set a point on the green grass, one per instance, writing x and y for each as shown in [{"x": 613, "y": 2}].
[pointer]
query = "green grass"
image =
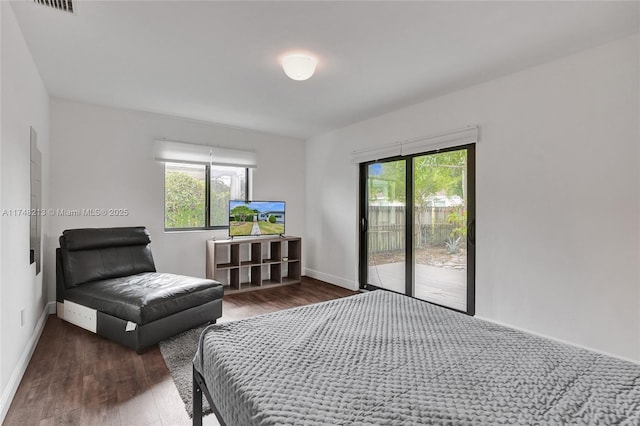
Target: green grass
[
  {"x": 271, "y": 228},
  {"x": 240, "y": 228}
]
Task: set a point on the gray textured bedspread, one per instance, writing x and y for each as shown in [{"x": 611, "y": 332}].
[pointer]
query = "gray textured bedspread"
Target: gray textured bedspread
[{"x": 383, "y": 358}]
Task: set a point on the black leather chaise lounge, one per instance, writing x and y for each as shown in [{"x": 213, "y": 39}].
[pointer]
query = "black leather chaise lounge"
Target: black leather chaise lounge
[{"x": 107, "y": 282}]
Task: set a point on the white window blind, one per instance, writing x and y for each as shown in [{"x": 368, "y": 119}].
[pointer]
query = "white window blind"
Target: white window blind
[
  {"x": 449, "y": 139},
  {"x": 181, "y": 152}
]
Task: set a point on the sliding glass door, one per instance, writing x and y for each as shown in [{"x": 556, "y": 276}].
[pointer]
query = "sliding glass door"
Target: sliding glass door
[
  {"x": 417, "y": 233},
  {"x": 440, "y": 211},
  {"x": 385, "y": 202}
]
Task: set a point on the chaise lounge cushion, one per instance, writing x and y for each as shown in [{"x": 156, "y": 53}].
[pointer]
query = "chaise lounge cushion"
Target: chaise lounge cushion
[{"x": 145, "y": 297}]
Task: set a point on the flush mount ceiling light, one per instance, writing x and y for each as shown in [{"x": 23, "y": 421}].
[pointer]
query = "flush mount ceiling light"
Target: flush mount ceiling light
[{"x": 299, "y": 66}]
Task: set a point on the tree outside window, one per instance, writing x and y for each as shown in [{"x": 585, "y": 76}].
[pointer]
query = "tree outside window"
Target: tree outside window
[{"x": 192, "y": 189}]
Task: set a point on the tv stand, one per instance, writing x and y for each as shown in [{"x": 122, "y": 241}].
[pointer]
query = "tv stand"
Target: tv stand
[{"x": 246, "y": 264}]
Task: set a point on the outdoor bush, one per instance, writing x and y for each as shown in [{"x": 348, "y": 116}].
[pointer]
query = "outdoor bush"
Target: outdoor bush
[
  {"x": 184, "y": 201},
  {"x": 453, "y": 246},
  {"x": 458, "y": 217},
  {"x": 272, "y": 219}
]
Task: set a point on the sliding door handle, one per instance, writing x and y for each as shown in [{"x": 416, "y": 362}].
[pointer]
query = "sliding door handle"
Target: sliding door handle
[
  {"x": 471, "y": 232},
  {"x": 363, "y": 224}
]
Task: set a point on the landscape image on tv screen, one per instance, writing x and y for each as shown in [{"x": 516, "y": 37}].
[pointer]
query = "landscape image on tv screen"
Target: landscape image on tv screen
[{"x": 254, "y": 218}]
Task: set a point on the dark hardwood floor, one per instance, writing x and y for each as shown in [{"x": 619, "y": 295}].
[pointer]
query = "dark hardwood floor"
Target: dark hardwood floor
[{"x": 78, "y": 378}]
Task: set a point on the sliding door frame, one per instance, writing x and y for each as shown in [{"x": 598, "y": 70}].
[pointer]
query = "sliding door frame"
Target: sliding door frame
[
  {"x": 471, "y": 229},
  {"x": 364, "y": 227},
  {"x": 409, "y": 210}
]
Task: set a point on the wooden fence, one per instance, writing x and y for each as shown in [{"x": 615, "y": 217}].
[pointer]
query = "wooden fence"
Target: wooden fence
[{"x": 386, "y": 228}]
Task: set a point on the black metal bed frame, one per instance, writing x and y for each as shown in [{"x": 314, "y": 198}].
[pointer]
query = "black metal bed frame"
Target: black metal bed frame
[{"x": 200, "y": 388}]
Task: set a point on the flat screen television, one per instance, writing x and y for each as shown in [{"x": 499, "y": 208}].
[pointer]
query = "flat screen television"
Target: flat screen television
[{"x": 255, "y": 218}]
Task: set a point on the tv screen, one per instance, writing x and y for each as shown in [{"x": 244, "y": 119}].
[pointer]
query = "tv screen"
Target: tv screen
[{"x": 253, "y": 218}]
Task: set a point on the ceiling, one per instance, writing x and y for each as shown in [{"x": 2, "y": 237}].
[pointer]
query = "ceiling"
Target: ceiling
[{"x": 218, "y": 61}]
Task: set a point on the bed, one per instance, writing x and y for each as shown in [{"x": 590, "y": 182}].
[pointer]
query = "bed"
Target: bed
[{"x": 384, "y": 358}]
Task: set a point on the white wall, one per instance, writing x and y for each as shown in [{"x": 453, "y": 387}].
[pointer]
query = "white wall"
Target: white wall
[
  {"x": 2, "y": 383},
  {"x": 103, "y": 158},
  {"x": 25, "y": 103},
  {"x": 557, "y": 195}
]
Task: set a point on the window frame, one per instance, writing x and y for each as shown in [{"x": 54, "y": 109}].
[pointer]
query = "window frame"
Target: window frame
[{"x": 207, "y": 201}]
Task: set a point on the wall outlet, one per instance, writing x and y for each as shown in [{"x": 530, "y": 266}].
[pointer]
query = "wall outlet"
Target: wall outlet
[{"x": 22, "y": 317}]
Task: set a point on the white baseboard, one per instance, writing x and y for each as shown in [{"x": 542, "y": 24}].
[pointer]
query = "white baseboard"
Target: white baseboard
[
  {"x": 555, "y": 339},
  {"x": 23, "y": 362},
  {"x": 331, "y": 279}
]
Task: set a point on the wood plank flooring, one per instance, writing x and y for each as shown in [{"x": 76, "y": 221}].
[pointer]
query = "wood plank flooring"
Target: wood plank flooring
[{"x": 78, "y": 378}]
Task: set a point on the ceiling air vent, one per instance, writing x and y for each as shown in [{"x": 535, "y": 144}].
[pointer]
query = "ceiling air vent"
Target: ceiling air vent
[{"x": 63, "y": 5}]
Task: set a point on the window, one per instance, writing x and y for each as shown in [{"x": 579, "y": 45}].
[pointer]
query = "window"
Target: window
[
  {"x": 196, "y": 196},
  {"x": 225, "y": 183},
  {"x": 199, "y": 181}
]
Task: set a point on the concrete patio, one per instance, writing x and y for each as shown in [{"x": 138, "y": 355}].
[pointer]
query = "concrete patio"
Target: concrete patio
[{"x": 444, "y": 286}]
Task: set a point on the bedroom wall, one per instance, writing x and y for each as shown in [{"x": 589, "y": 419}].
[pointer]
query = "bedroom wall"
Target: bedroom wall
[
  {"x": 24, "y": 103},
  {"x": 557, "y": 195},
  {"x": 103, "y": 158}
]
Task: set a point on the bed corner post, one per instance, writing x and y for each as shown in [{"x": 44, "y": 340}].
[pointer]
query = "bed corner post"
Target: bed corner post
[{"x": 197, "y": 401}]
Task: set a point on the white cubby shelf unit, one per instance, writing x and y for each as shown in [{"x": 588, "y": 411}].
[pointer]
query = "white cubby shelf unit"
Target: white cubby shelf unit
[{"x": 244, "y": 264}]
